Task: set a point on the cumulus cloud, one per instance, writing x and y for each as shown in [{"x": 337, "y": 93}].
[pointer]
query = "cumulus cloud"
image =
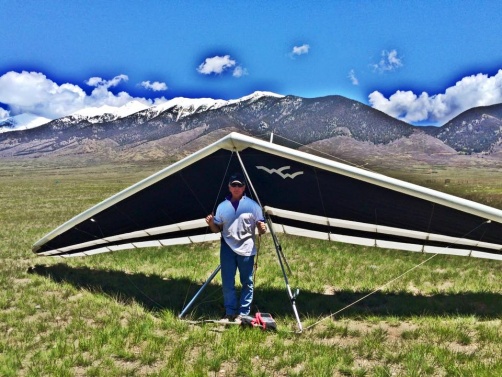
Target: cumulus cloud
[
  {"x": 216, "y": 64},
  {"x": 471, "y": 91},
  {"x": 4, "y": 114},
  {"x": 33, "y": 92},
  {"x": 389, "y": 61},
  {"x": 300, "y": 50},
  {"x": 156, "y": 86},
  {"x": 239, "y": 71},
  {"x": 101, "y": 95},
  {"x": 99, "y": 82},
  {"x": 353, "y": 78}
]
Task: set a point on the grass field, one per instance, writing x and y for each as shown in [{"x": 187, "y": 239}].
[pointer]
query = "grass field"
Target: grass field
[{"x": 116, "y": 314}]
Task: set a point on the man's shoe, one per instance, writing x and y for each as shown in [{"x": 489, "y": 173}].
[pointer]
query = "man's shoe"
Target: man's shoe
[
  {"x": 238, "y": 319},
  {"x": 227, "y": 318}
]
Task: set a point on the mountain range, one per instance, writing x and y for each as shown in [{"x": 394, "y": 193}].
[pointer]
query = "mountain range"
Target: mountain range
[{"x": 332, "y": 125}]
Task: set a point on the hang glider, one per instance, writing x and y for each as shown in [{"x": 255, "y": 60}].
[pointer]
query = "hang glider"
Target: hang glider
[{"x": 302, "y": 194}]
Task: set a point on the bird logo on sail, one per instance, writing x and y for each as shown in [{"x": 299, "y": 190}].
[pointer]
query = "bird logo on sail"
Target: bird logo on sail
[{"x": 280, "y": 172}]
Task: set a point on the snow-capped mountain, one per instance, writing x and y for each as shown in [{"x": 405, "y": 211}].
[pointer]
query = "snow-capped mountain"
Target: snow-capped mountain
[
  {"x": 329, "y": 123},
  {"x": 180, "y": 107},
  {"x": 108, "y": 113},
  {"x": 22, "y": 122},
  {"x": 255, "y": 96},
  {"x": 184, "y": 107}
]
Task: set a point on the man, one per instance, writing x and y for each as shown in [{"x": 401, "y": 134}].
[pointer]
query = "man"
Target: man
[{"x": 237, "y": 218}]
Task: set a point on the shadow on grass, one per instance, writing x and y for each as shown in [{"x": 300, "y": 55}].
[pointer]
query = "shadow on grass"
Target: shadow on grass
[{"x": 156, "y": 294}]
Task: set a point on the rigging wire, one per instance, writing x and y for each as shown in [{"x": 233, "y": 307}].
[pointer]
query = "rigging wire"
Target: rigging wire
[
  {"x": 222, "y": 182},
  {"x": 253, "y": 195},
  {"x": 215, "y": 203},
  {"x": 394, "y": 279},
  {"x": 127, "y": 276},
  {"x": 142, "y": 292},
  {"x": 323, "y": 153},
  {"x": 280, "y": 256},
  {"x": 365, "y": 168},
  {"x": 160, "y": 306},
  {"x": 258, "y": 247},
  {"x": 371, "y": 293}
]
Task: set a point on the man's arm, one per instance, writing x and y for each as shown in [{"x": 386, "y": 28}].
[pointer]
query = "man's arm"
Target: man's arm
[{"x": 215, "y": 228}]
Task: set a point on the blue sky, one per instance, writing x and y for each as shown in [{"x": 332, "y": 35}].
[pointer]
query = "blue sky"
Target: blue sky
[{"x": 420, "y": 61}]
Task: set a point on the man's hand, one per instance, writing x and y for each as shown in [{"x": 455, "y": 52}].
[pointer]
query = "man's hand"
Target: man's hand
[
  {"x": 262, "y": 227},
  {"x": 210, "y": 219},
  {"x": 210, "y": 222}
]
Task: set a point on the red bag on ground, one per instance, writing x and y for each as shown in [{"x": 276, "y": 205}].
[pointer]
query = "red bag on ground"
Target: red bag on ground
[{"x": 264, "y": 321}]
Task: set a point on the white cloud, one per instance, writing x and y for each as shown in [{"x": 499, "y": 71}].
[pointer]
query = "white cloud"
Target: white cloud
[
  {"x": 239, "y": 71},
  {"x": 216, "y": 64},
  {"x": 159, "y": 101},
  {"x": 471, "y": 91},
  {"x": 4, "y": 114},
  {"x": 156, "y": 86},
  {"x": 300, "y": 50},
  {"x": 99, "y": 82},
  {"x": 94, "y": 81},
  {"x": 389, "y": 61},
  {"x": 102, "y": 96},
  {"x": 33, "y": 92},
  {"x": 353, "y": 78}
]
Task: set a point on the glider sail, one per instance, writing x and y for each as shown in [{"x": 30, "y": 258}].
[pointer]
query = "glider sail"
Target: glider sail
[{"x": 303, "y": 194}]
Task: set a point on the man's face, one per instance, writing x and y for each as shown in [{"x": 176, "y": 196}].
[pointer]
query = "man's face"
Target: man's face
[{"x": 236, "y": 189}]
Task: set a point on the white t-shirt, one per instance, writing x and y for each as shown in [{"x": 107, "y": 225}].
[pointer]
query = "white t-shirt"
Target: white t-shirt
[{"x": 239, "y": 225}]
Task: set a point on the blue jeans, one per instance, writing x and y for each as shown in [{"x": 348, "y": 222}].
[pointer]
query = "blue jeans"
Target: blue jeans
[{"x": 230, "y": 262}]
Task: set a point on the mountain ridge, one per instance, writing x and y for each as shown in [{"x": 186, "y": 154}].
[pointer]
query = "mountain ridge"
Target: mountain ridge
[
  {"x": 330, "y": 122},
  {"x": 22, "y": 122}
]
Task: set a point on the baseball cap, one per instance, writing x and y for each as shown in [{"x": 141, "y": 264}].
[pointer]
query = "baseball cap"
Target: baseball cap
[{"x": 237, "y": 178}]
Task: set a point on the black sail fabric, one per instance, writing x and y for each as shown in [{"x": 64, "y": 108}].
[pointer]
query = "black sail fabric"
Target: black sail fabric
[{"x": 303, "y": 194}]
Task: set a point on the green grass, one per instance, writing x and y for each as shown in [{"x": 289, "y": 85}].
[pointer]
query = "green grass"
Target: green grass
[{"x": 117, "y": 314}]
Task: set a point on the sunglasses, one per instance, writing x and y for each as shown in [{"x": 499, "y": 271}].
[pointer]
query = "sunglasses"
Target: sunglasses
[{"x": 236, "y": 185}]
